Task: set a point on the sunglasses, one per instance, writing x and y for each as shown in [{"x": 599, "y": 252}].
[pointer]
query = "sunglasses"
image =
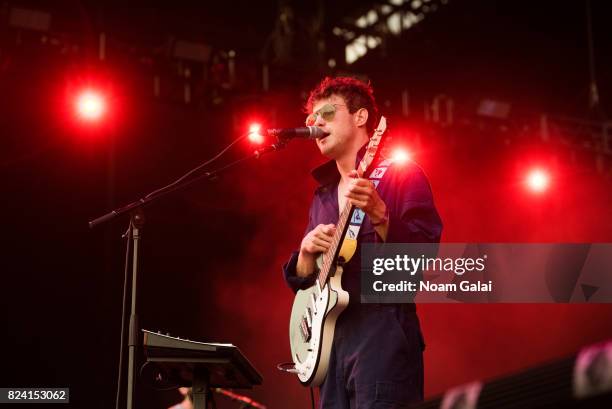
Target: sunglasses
[{"x": 327, "y": 112}]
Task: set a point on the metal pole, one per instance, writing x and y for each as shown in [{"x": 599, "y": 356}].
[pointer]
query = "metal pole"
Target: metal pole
[{"x": 137, "y": 222}]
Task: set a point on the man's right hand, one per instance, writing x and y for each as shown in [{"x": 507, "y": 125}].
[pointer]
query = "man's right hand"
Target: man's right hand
[{"x": 318, "y": 240}]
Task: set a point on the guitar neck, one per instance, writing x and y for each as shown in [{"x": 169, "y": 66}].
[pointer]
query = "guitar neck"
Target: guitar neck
[{"x": 331, "y": 256}]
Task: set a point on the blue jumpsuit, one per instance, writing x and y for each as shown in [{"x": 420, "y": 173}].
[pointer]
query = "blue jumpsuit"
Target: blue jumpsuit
[{"x": 377, "y": 356}]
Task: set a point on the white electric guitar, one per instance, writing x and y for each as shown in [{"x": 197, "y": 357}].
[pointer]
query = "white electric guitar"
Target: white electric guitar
[{"x": 316, "y": 309}]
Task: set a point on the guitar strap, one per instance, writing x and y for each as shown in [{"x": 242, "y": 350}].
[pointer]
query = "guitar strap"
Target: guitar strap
[{"x": 358, "y": 215}]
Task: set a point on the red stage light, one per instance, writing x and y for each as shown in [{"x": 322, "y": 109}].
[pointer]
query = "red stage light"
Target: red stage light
[
  {"x": 254, "y": 134},
  {"x": 400, "y": 156},
  {"x": 90, "y": 105},
  {"x": 538, "y": 180}
]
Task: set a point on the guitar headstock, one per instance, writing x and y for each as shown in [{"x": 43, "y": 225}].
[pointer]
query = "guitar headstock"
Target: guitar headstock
[{"x": 372, "y": 148}]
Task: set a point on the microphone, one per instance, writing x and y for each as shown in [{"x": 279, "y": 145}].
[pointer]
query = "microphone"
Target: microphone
[{"x": 307, "y": 132}]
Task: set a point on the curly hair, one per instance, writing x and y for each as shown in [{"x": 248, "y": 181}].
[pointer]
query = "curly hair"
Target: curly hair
[{"x": 357, "y": 94}]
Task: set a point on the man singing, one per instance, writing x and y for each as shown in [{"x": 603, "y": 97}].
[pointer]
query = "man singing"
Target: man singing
[{"x": 377, "y": 354}]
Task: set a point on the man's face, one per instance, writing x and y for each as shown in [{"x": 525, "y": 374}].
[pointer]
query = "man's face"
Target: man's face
[{"x": 341, "y": 128}]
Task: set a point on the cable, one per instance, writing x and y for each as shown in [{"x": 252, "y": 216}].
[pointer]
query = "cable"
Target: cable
[
  {"x": 312, "y": 397},
  {"x": 287, "y": 367},
  {"x": 192, "y": 171}
]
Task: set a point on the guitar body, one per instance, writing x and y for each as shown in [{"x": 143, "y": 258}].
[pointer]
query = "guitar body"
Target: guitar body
[{"x": 312, "y": 325}]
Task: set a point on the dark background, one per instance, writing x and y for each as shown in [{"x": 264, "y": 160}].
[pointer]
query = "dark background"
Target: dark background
[{"x": 211, "y": 256}]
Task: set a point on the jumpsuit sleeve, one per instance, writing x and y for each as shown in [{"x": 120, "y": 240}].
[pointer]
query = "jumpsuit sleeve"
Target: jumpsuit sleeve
[
  {"x": 413, "y": 217},
  {"x": 289, "y": 268}
]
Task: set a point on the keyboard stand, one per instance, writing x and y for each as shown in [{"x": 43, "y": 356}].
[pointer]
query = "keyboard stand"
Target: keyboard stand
[{"x": 200, "y": 387}]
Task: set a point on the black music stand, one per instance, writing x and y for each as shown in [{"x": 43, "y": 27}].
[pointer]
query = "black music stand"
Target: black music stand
[{"x": 201, "y": 365}]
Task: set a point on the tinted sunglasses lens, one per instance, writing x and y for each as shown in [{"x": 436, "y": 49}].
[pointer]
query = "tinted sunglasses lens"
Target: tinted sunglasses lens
[
  {"x": 311, "y": 119},
  {"x": 328, "y": 111}
]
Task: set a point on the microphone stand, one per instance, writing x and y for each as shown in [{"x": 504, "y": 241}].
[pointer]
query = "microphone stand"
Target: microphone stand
[{"x": 134, "y": 235}]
